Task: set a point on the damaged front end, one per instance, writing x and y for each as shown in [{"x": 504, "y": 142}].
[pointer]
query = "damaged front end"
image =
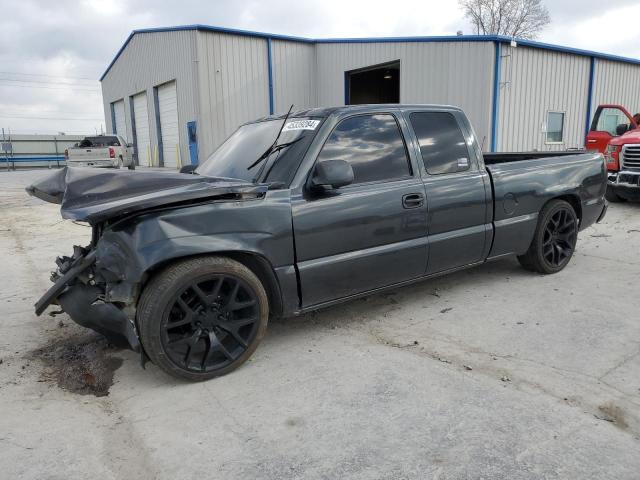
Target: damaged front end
[
  {"x": 99, "y": 285},
  {"x": 84, "y": 291}
]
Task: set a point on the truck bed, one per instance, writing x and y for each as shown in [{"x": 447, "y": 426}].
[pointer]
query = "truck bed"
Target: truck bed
[{"x": 523, "y": 182}]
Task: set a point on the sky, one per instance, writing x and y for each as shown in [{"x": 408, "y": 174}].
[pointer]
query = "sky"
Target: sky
[{"x": 53, "y": 53}]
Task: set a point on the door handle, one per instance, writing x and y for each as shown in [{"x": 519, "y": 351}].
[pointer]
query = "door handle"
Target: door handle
[{"x": 412, "y": 200}]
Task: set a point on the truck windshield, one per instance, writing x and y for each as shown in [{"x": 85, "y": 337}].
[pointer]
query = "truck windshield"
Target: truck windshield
[{"x": 234, "y": 157}]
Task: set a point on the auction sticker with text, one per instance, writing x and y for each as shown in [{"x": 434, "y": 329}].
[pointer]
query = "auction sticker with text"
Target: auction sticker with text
[{"x": 301, "y": 125}]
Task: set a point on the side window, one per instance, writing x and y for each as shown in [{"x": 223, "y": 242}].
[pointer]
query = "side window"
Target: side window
[
  {"x": 372, "y": 144},
  {"x": 609, "y": 120},
  {"x": 555, "y": 127},
  {"x": 441, "y": 142}
]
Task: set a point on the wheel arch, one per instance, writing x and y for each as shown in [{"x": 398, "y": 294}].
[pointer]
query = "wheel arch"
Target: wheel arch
[
  {"x": 255, "y": 262},
  {"x": 571, "y": 199}
]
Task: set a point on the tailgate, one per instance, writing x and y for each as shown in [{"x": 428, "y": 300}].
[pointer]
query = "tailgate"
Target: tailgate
[{"x": 88, "y": 153}]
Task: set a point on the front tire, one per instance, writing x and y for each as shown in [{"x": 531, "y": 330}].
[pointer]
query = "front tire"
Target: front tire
[
  {"x": 203, "y": 317},
  {"x": 554, "y": 240}
]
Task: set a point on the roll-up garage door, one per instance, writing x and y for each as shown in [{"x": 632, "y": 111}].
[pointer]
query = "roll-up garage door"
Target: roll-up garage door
[
  {"x": 168, "y": 109},
  {"x": 120, "y": 127},
  {"x": 141, "y": 117}
]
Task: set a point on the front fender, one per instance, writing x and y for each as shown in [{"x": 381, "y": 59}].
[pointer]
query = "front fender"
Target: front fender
[{"x": 130, "y": 249}]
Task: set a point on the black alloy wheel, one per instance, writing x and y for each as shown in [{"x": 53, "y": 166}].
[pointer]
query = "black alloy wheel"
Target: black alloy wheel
[
  {"x": 203, "y": 317},
  {"x": 211, "y": 323},
  {"x": 559, "y": 238},
  {"x": 554, "y": 240}
]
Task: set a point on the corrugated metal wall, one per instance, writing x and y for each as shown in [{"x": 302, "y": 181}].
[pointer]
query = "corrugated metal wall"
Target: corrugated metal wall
[
  {"x": 454, "y": 73},
  {"x": 533, "y": 82},
  {"x": 617, "y": 83},
  {"x": 233, "y": 83},
  {"x": 149, "y": 60},
  {"x": 294, "y": 75},
  {"x": 223, "y": 81}
]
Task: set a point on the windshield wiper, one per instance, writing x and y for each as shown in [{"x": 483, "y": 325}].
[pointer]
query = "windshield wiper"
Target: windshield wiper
[{"x": 272, "y": 147}]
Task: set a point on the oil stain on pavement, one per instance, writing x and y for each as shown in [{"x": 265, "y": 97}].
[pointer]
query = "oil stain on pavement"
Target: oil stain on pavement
[{"x": 80, "y": 364}]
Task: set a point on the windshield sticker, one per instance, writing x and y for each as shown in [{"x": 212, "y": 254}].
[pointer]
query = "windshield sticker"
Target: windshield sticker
[{"x": 301, "y": 125}]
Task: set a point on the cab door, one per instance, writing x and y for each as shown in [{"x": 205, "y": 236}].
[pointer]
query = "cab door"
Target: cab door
[
  {"x": 608, "y": 122},
  {"x": 458, "y": 190},
  {"x": 371, "y": 233}
]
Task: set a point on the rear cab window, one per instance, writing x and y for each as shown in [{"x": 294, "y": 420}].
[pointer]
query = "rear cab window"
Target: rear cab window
[
  {"x": 442, "y": 144},
  {"x": 374, "y": 146},
  {"x": 100, "y": 141}
]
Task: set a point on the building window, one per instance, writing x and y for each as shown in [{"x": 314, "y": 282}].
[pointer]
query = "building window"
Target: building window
[{"x": 555, "y": 127}]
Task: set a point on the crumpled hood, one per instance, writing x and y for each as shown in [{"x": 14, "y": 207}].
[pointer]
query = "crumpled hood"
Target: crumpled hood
[{"x": 94, "y": 195}]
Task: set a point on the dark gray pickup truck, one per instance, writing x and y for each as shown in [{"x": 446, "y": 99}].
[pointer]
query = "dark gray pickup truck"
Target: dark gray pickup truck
[{"x": 297, "y": 213}]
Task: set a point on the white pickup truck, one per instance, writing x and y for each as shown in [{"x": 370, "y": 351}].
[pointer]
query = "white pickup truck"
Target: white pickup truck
[{"x": 101, "y": 151}]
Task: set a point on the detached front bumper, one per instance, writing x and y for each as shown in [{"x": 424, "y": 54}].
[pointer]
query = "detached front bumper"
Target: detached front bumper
[{"x": 77, "y": 292}]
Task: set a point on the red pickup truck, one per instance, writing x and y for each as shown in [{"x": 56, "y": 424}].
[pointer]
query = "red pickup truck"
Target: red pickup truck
[{"x": 615, "y": 133}]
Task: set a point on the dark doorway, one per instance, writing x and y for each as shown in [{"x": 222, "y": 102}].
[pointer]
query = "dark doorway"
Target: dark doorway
[{"x": 377, "y": 84}]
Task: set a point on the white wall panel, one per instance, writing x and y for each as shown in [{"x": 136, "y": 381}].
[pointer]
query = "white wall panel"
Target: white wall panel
[
  {"x": 617, "y": 83},
  {"x": 294, "y": 75},
  {"x": 534, "y": 82},
  {"x": 152, "y": 59},
  {"x": 119, "y": 117},
  {"x": 452, "y": 73},
  {"x": 233, "y": 85},
  {"x": 141, "y": 120},
  {"x": 169, "y": 127}
]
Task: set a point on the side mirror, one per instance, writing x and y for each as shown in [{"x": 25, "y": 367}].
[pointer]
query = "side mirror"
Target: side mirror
[
  {"x": 332, "y": 173},
  {"x": 622, "y": 129},
  {"x": 189, "y": 168}
]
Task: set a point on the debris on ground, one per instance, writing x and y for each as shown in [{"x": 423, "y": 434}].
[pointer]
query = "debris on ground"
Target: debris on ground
[
  {"x": 505, "y": 378},
  {"x": 600, "y": 235},
  {"x": 80, "y": 364},
  {"x": 468, "y": 367},
  {"x": 445, "y": 310},
  {"x": 444, "y": 360}
]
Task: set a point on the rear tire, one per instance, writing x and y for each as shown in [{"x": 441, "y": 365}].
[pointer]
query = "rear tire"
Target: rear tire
[
  {"x": 554, "y": 240},
  {"x": 612, "y": 196},
  {"x": 203, "y": 317}
]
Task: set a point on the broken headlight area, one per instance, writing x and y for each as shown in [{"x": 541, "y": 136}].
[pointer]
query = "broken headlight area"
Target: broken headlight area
[{"x": 89, "y": 288}]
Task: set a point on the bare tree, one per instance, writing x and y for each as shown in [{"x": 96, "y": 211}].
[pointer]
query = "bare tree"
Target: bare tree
[{"x": 515, "y": 18}]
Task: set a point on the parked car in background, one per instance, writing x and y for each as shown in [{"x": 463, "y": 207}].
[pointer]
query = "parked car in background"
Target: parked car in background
[
  {"x": 293, "y": 214},
  {"x": 614, "y": 132},
  {"x": 101, "y": 151}
]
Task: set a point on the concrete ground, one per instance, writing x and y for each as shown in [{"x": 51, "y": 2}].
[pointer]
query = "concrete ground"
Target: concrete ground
[{"x": 489, "y": 373}]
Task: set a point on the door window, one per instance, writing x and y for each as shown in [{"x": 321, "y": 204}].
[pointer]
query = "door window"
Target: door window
[
  {"x": 442, "y": 144},
  {"x": 372, "y": 144},
  {"x": 609, "y": 120}
]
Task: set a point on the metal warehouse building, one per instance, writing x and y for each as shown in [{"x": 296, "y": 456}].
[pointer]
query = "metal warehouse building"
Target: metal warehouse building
[{"x": 176, "y": 93}]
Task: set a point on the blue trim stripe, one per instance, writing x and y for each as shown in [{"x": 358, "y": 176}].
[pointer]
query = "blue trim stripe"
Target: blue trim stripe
[
  {"x": 32, "y": 159},
  {"x": 592, "y": 74},
  {"x": 495, "y": 107},
  {"x": 447, "y": 38},
  {"x": 270, "y": 73}
]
